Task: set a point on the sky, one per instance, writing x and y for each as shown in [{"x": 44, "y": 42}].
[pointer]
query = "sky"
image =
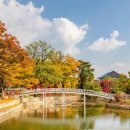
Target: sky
[{"x": 92, "y": 30}]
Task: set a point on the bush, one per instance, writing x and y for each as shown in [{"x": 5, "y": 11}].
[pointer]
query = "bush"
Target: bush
[{"x": 92, "y": 86}]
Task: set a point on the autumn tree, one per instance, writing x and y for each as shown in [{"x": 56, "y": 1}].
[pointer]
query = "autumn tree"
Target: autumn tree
[
  {"x": 106, "y": 85},
  {"x": 22, "y": 74},
  {"x": 12, "y": 57},
  {"x": 70, "y": 72},
  {"x": 116, "y": 85},
  {"x": 53, "y": 67}
]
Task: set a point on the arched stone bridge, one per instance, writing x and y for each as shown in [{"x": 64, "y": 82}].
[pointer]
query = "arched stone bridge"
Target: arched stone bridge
[{"x": 68, "y": 91}]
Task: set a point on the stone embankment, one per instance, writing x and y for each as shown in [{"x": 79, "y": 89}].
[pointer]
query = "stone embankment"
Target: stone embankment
[
  {"x": 11, "y": 109},
  {"x": 8, "y": 107},
  {"x": 51, "y": 100},
  {"x": 9, "y": 104}
]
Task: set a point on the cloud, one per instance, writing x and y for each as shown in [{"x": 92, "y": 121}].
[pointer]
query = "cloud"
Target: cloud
[
  {"x": 107, "y": 45},
  {"x": 118, "y": 65},
  {"x": 28, "y": 25},
  {"x": 102, "y": 68}
]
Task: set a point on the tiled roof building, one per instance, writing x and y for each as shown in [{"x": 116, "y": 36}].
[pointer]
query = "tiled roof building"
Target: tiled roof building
[{"x": 111, "y": 74}]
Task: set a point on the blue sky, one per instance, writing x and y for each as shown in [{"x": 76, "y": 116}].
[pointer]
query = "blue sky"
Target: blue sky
[{"x": 98, "y": 30}]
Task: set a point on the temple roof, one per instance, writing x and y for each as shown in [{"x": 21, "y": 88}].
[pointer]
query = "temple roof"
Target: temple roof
[{"x": 111, "y": 74}]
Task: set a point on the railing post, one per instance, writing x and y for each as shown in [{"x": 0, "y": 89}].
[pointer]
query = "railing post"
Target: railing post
[
  {"x": 84, "y": 106},
  {"x": 43, "y": 104},
  {"x": 63, "y": 105},
  {"x": 63, "y": 99},
  {"x": 21, "y": 99}
]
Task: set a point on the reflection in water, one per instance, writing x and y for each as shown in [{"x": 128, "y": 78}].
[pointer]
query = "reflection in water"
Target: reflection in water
[{"x": 66, "y": 118}]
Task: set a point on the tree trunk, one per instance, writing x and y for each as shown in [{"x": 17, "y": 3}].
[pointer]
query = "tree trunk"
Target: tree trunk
[
  {"x": 2, "y": 88},
  {"x": 62, "y": 85}
]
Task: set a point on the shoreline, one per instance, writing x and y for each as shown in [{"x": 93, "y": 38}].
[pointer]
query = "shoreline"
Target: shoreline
[
  {"x": 118, "y": 106},
  {"x": 11, "y": 109}
]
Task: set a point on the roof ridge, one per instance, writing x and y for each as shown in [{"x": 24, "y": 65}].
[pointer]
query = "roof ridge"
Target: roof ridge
[{"x": 112, "y": 74}]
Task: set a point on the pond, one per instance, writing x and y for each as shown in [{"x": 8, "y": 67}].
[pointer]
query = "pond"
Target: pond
[{"x": 67, "y": 118}]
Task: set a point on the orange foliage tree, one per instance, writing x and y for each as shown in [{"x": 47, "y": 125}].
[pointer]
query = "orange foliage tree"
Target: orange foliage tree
[{"x": 14, "y": 60}]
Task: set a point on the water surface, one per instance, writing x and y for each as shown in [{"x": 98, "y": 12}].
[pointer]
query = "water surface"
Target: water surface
[{"x": 69, "y": 118}]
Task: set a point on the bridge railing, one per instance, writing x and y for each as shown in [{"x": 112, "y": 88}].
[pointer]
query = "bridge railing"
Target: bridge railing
[{"x": 69, "y": 90}]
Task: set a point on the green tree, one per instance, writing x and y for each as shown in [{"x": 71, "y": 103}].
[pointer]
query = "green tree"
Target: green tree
[
  {"x": 39, "y": 51},
  {"x": 92, "y": 86},
  {"x": 115, "y": 86},
  {"x": 49, "y": 73},
  {"x": 120, "y": 84},
  {"x": 86, "y": 73}
]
